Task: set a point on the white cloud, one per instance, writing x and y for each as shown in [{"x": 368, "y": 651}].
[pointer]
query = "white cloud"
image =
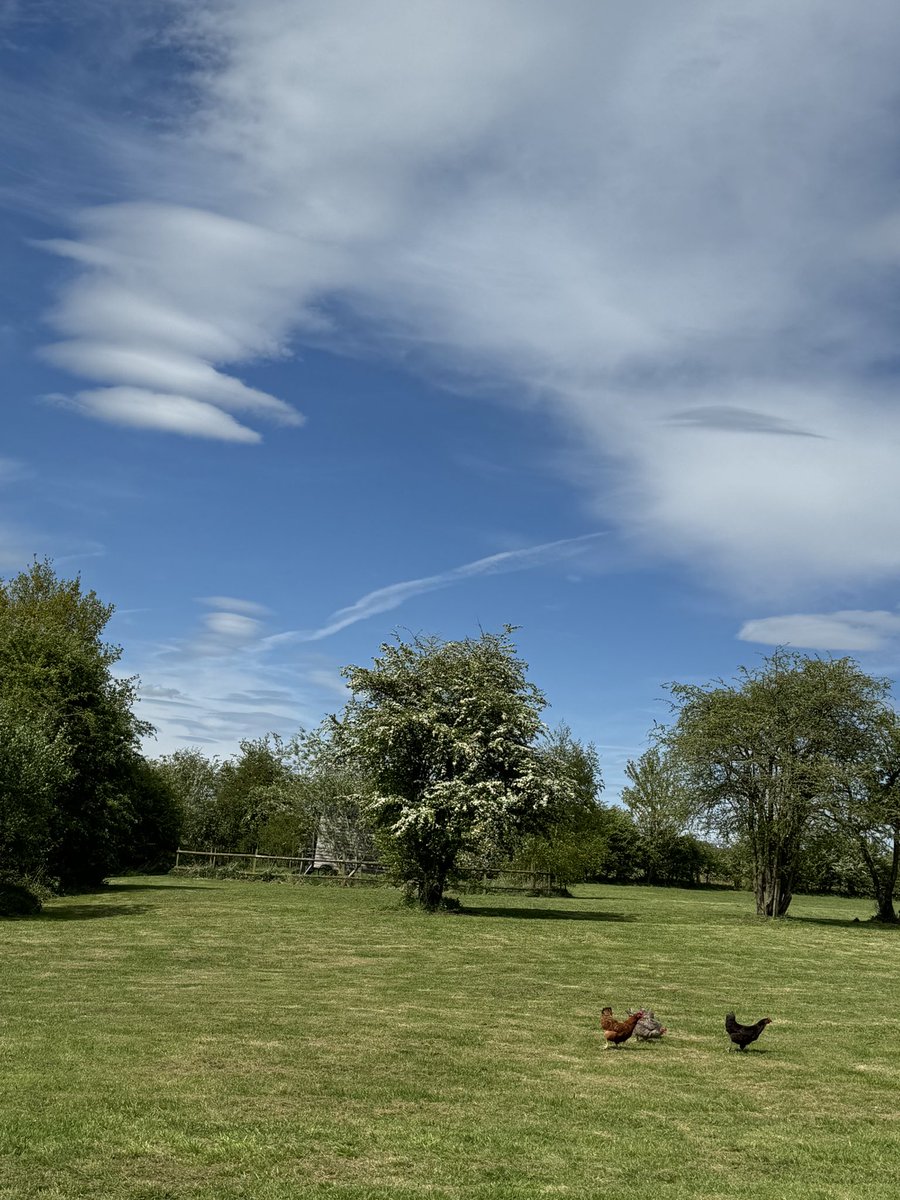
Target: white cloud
[
  {"x": 216, "y": 700},
  {"x": 390, "y": 597},
  {"x": 166, "y": 371},
  {"x": 141, "y": 409},
  {"x": 166, "y": 290},
  {"x": 249, "y": 607},
  {"x": 232, "y": 627},
  {"x": 850, "y": 630},
  {"x": 656, "y": 220}
]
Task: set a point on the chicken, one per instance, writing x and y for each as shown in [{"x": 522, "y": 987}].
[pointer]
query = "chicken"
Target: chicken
[
  {"x": 648, "y": 1028},
  {"x": 617, "y": 1032},
  {"x": 743, "y": 1035}
]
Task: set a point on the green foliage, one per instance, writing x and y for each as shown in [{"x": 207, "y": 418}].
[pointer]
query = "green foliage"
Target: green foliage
[
  {"x": 448, "y": 734},
  {"x": 863, "y": 806},
  {"x": 623, "y": 855},
  {"x": 662, "y": 807},
  {"x": 761, "y": 752},
  {"x": 156, "y": 820},
  {"x": 336, "y": 795},
  {"x": 572, "y": 845},
  {"x": 17, "y": 899},
  {"x": 830, "y": 862},
  {"x": 33, "y": 766},
  {"x": 241, "y": 796},
  {"x": 193, "y": 779},
  {"x": 56, "y": 675},
  {"x": 273, "y": 797}
]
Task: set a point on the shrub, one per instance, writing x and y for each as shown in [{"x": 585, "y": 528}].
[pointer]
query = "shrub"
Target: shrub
[{"x": 17, "y": 900}]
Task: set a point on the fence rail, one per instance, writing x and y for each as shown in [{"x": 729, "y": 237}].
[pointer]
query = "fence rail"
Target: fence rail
[
  {"x": 475, "y": 877},
  {"x": 301, "y": 865}
]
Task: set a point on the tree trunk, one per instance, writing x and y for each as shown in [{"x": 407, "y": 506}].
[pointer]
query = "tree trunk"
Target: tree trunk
[
  {"x": 883, "y": 883},
  {"x": 427, "y": 892},
  {"x": 773, "y": 893}
]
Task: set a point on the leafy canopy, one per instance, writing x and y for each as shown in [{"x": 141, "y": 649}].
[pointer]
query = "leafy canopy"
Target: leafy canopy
[
  {"x": 448, "y": 734},
  {"x": 56, "y": 675},
  {"x": 760, "y": 753}
]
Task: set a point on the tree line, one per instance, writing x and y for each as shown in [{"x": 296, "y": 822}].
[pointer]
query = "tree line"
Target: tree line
[{"x": 784, "y": 778}]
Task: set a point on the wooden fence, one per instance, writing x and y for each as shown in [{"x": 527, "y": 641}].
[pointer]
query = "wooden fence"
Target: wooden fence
[
  {"x": 341, "y": 867},
  {"x": 475, "y": 878}
]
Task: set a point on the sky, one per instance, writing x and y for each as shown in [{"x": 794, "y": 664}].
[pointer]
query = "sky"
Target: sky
[{"x": 326, "y": 321}]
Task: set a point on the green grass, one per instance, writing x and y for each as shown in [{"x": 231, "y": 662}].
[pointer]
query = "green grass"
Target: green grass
[{"x": 172, "y": 1039}]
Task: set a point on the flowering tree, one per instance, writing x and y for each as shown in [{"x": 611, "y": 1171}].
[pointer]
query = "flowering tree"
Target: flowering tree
[{"x": 447, "y": 733}]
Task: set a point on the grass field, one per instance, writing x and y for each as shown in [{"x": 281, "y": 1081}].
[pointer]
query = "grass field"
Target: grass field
[{"x": 169, "y": 1038}]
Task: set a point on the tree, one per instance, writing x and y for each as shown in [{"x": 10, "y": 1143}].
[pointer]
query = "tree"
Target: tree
[
  {"x": 336, "y": 796},
  {"x": 448, "y": 734},
  {"x": 56, "y": 674},
  {"x": 573, "y": 843},
  {"x": 662, "y": 807},
  {"x": 260, "y": 799},
  {"x": 33, "y": 766},
  {"x": 830, "y": 862},
  {"x": 761, "y": 753},
  {"x": 193, "y": 780},
  {"x": 864, "y": 805},
  {"x": 156, "y": 820}
]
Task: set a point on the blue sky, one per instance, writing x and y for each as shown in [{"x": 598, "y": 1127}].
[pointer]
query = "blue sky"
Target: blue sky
[{"x": 324, "y": 320}]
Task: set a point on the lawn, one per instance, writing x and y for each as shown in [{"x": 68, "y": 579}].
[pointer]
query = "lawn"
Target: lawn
[{"x": 172, "y": 1038}]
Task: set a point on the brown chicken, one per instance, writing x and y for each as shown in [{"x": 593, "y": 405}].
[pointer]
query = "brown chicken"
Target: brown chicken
[
  {"x": 743, "y": 1035},
  {"x": 617, "y": 1032}
]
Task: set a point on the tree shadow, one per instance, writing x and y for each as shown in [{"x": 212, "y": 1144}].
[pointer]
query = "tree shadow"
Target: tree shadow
[
  {"x": 159, "y": 887},
  {"x": 90, "y": 912},
  {"x": 541, "y": 914},
  {"x": 850, "y": 923}
]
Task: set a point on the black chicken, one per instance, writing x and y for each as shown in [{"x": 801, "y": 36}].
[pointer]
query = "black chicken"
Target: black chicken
[{"x": 743, "y": 1035}]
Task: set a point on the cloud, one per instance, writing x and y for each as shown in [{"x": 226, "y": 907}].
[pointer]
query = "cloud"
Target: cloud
[
  {"x": 216, "y": 699},
  {"x": 851, "y": 630},
  {"x": 152, "y": 691},
  {"x": 390, "y": 597},
  {"x": 131, "y": 319},
  {"x": 655, "y": 222},
  {"x": 166, "y": 371},
  {"x": 140, "y": 409},
  {"x": 222, "y": 635},
  {"x": 232, "y": 627},
  {"x": 259, "y": 696},
  {"x": 249, "y": 607},
  {"x": 738, "y": 420}
]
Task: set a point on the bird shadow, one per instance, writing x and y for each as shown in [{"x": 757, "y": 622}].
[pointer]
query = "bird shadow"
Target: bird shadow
[{"x": 541, "y": 914}]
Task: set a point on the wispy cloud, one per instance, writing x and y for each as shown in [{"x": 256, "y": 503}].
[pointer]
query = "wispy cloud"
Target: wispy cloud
[
  {"x": 249, "y": 608},
  {"x": 850, "y": 630},
  {"x": 240, "y": 691},
  {"x": 390, "y": 597},
  {"x": 654, "y": 220}
]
